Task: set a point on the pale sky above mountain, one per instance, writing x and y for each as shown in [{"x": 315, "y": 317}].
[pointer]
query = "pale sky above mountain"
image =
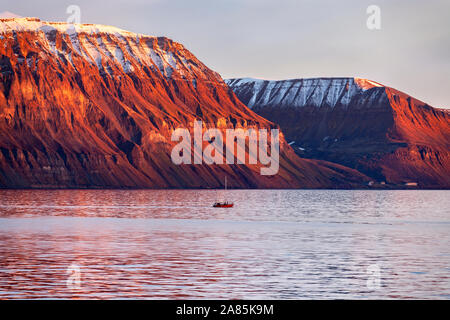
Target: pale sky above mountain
[{"x": 290, "y": 38}]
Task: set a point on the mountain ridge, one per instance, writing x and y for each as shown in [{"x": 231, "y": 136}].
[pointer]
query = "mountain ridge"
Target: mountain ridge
[
  {"x": 96, "y": 109},
  {"x": 380, "y": 131}
]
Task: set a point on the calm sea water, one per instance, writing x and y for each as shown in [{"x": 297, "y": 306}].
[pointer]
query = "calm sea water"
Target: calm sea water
[{"x": 282, "y": 244}]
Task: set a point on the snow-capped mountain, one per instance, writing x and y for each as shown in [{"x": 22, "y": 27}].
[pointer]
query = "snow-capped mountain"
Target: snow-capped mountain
[
  {"x": 109, "y": 47},
  {"x": 8, "y": 15},
  {"x": 359, "y": 123},
  {"x": 95, "y": 106},
  {"x": 317, "y": 92}
]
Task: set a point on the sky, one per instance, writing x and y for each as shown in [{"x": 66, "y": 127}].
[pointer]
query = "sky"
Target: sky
[{"x": 285, "y": 39}]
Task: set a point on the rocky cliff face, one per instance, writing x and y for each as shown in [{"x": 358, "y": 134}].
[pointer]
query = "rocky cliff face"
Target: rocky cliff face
[
  {"x": 358, "y": 123},
  {"x": 95, "y": 106}
]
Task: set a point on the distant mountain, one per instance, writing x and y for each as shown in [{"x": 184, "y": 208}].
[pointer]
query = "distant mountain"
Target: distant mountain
[
  {"x": 90, "y": 106},
  {"x": 382, "y": 132},
  {"x": 8, "y": 15}
]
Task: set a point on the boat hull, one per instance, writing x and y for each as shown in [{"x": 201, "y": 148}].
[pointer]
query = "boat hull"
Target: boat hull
[{"x": 223, "y": 205}]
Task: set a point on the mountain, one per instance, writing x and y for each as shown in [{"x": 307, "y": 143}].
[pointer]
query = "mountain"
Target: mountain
[
  {"x": 377, "y": 130},
  {"x": 8, "y": 15},
  {"x": 92, "y": 106}
]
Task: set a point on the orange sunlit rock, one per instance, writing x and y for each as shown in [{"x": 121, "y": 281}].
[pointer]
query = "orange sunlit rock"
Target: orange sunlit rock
[{"x": 94, "y": 106}]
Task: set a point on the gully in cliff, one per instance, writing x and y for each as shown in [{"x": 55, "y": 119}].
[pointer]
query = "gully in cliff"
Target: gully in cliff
[{"x": 214, "y": 154}]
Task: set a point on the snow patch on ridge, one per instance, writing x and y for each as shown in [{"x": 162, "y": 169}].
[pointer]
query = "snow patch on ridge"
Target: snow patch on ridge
[
  {"x": 300, "y": 92},
  {"x": 105, "y": 46},
  {"x": 367, "y": 84},
  {"x": 35, "y": 24}
]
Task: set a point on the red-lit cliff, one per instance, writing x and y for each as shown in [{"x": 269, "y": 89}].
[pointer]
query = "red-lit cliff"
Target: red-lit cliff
[
  {"x": 95, "y": 106},
  {"x": 382, "y": 132}
]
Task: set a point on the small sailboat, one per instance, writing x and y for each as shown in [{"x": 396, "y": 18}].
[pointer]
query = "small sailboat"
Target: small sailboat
[{"x": 224, "y": 204}]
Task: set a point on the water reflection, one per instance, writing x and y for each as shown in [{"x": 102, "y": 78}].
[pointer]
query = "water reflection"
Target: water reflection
[{"x": 287, "y": 244}]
